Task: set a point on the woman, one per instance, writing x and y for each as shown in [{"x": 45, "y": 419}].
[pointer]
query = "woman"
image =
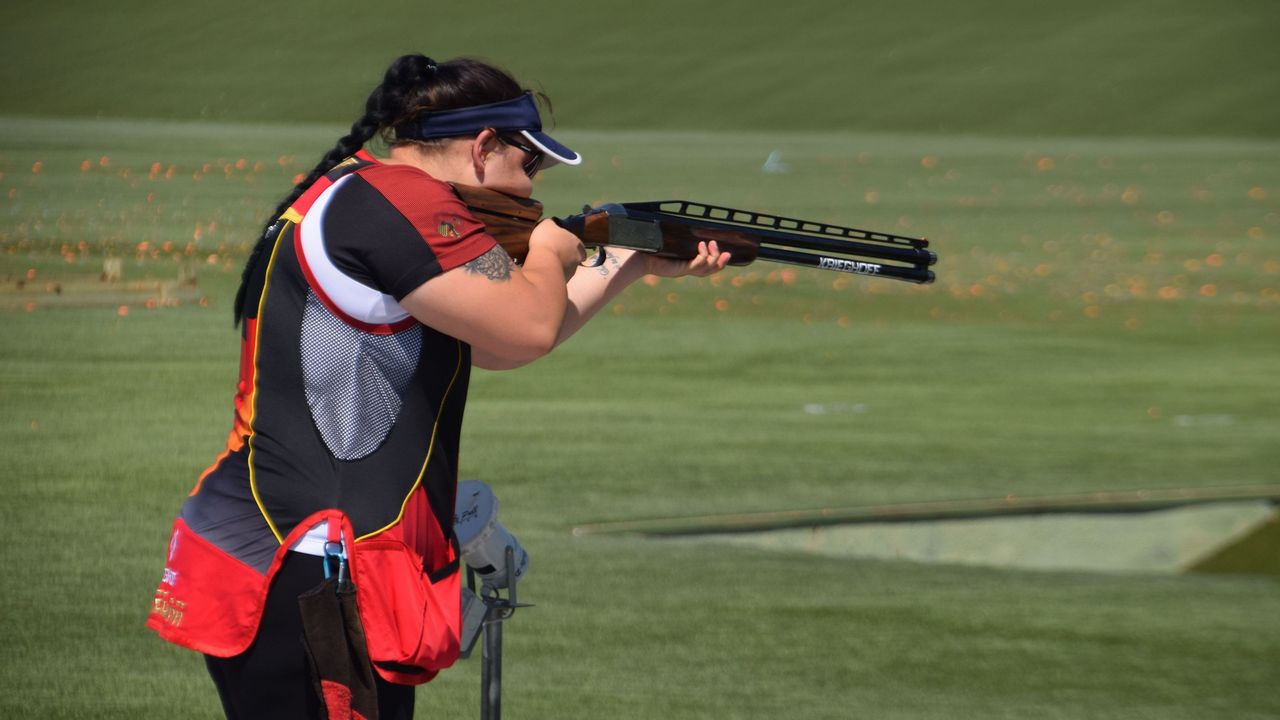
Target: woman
[{"x": 362, "y": 308}]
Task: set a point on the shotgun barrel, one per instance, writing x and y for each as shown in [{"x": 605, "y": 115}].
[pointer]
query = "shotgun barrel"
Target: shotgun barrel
[{"x": 674, "y": 228}]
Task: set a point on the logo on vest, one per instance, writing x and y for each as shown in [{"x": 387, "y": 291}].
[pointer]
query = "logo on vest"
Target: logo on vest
[{"x": 169, "y": 608}]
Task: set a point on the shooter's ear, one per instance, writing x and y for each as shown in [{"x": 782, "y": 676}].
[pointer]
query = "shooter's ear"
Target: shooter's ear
[{"x": 483, "y": 145}]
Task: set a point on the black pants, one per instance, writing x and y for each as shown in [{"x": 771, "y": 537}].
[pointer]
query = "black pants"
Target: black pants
[{"x": 272, "y": 678}]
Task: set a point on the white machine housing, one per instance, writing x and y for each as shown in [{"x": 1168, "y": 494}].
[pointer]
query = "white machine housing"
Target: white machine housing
[{"x": 482, "y": 538}]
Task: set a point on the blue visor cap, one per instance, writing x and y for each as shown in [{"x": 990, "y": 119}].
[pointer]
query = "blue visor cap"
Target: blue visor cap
[{"x": 518, "y": 115}]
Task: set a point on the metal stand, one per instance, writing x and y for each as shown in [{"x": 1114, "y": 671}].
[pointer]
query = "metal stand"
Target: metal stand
[
  {"x": 491, "y": 672},
  {"x": 497, "y": 610}
]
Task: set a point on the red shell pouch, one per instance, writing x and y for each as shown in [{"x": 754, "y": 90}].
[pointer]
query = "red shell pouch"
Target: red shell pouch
[
  {"x": 412, "y": 618},
  {"x": 208, "y": 601}
]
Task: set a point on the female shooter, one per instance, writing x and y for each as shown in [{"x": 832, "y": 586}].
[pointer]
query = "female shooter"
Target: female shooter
[{"x": 362, "y": 309}]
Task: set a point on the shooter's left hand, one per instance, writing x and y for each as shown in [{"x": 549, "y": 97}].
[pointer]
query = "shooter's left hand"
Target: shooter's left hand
[{"x": 709, "y": 261}]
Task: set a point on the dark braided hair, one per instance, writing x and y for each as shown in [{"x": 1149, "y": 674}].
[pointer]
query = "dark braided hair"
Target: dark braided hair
[{"x": 412, "y": 85}]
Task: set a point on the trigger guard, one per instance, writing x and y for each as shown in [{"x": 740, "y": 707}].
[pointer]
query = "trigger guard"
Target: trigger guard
[{"x": 596, "y": 261}]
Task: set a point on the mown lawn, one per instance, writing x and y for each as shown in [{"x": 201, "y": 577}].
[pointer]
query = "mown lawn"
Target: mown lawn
[{"x": 1105, "y": 318}]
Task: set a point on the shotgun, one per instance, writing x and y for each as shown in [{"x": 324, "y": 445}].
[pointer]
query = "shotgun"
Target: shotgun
[{"x": 673, "y": 229}]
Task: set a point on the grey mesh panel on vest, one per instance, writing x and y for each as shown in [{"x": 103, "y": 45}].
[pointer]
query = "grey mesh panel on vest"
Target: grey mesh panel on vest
[{"x": 355, "y": 381}]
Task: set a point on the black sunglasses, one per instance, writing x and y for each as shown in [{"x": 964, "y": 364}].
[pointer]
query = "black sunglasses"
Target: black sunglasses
[{"x": 534, "y": 163}]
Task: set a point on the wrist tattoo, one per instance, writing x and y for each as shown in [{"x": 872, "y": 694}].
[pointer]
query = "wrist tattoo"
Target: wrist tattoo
[{"x": 495, "y": 264}]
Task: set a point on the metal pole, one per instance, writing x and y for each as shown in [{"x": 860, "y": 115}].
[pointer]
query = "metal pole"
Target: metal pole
[
  {"x": 498, "y": 609},
  {"x": 491, "y": 672}
]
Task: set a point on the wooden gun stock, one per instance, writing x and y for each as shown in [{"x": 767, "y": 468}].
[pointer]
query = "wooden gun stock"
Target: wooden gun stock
[
  {"x": 674, "y": 228},
  {"x": 509, "y": 219}
]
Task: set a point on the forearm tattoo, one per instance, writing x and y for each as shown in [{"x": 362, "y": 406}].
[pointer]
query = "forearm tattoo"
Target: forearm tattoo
[
  {"x": 495, "y": 264},
  {"x": 610, "y": 260}
]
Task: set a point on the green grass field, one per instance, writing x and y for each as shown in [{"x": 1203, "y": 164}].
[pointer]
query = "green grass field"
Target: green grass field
[{"x": 1102, "y": 183}]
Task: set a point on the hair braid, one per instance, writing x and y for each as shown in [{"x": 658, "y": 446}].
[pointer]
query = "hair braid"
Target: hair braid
[
  {"x": 411, "y": 86},
  {"x": 387, "y": 104}
]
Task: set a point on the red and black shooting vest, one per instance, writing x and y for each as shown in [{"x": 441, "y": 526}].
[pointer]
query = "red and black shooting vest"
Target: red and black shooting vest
[{"x": 347, "y": 411}]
